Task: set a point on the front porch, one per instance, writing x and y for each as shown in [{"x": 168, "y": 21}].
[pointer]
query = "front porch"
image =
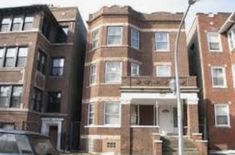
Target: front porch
[{"x": 149, "y": 112}]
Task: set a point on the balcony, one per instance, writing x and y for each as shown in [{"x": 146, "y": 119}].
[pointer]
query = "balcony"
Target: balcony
[{"x": 156, "y": 82}]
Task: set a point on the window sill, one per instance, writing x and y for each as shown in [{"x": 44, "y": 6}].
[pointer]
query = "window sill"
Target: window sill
[
  {"x": 7, "y": 69},
  {"x": 21, "y": 31},
  {"x": 162, "y": 51},
  {"x": 102, "y": 126},
  {"x": 215, "y": 51},
  {"x": 219, "y": 87},
  {"x": 222, "y": 126}
]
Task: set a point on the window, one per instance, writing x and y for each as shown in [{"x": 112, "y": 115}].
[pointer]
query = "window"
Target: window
[
  {"x": 17, "y": 24},
  {"x": 218, "y": 77},
  {"x": 134, "y": 38},
  {"x": 113, "y": 72},
  {"x": 28, "y": 23},
  {"x": 114, "y": 35},
  {"x": 214, "y": 42},
  {"x": 231, "y": 38},
  {"x": 91, "y": 113},
  {"x": 92, "y": 78},
  {"x": 233, "y": 73},
  {"x": 65, "y": 29},
  {"x": 10, "y": 96},
  {"x": 10, "y": 57},
  {"x": 135, "y": 69},
  {"x": 16, "y": 96},
  {"x": 5, "y": 93},
  {"x": 163, "y": 70},
  {"x": 5, "y": 25},
  {"x": 111, "y": 145},
  {"x": 41, "y": 62},
  {"x": 162, "y": 41},
  {"x": 95, "y": 38},
  {"x": 54, "y": 102},
  {"x": 36, "y": 100},
  {"x": 57, "y": 67},
  {"x": 22, "y": 56},
  {"x": 222, "y": 115},
  {"x": 111, "y": 112},
  {"x": 134, "y": 114},
  {"x": 2, "y": 51}
]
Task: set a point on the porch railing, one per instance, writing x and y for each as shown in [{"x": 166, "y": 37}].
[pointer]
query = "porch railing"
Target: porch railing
[{"x": 149, "y": 81}]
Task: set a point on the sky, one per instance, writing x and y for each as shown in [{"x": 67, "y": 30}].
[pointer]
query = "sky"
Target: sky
[{"x": 147, "y": 6}]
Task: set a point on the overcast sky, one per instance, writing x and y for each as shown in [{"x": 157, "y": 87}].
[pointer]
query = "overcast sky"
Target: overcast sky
[{"x": 146, "y": 6}]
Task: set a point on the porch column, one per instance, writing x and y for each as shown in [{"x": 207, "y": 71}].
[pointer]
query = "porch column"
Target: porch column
[
  {"x": 125, "y": 128},
  {"x": 192, "y": 116}
]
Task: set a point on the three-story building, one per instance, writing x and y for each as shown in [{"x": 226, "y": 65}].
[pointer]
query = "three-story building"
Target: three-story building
[
  {"x": 128, "y": 106},
  {"x": 41, "y": 58}
]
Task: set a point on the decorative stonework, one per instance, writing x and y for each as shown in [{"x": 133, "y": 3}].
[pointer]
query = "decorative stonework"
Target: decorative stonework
[{"x": 156, "y": 81}]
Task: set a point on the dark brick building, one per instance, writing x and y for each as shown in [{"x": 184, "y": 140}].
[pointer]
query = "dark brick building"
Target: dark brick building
[
  {"x": 41, "y": 59},
  {"x": 211, "y": 44},
  {"x": 127, "y": 103}
]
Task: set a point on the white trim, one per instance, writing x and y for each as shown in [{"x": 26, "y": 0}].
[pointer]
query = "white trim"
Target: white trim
[
  {"x": 103, "y": 126},
  {"x": 101, "y": 137},
  {"x": 136, "y": 27},
  {"x": 46, "y": 122},
  {"x": 101, "y": 99},
  {"x": 126, "y": 96},
  {"x": 224, "y": 77},
  {"x": 232, "y": 31},
  {"x": 225, "y": 152},
  {"x": 233, "y": 74},
  {"x": 219, "y": 40},
  {"x": 123, "y": 59},
  {"x": 119, "y": 115},
  {"x": 113, "y": 82},
  {"x": 163, "y": 65},
  {"x": 168, "y": 42},
  {"x": 133, "y": 30},
  {"x": 137, "y": 68},
  {"x": 144, "y": 126},
  {"x": 121, "y": 36},
  {"x": 228, "y": 116}
]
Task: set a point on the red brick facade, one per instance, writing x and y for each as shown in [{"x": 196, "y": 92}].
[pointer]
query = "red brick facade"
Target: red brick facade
[
  {"x": 146, "y": 92},
  {"x": 44, "y": 35},
  {"x": 203, "y": 59}
]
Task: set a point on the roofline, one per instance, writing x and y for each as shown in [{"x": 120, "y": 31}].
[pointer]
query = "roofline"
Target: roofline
[{"x": 228, "y": 23}]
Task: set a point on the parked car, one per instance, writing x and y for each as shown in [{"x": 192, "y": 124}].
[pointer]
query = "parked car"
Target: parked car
[{"x": 25, "y": 143}]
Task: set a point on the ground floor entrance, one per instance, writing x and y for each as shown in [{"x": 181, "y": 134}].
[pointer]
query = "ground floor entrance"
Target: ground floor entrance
[{"x": 52, "y": 127}]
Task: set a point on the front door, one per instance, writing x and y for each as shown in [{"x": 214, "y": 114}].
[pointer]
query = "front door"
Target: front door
[
  {"x": 166, "y": 119},
  {"x": 53, "y": 134}
]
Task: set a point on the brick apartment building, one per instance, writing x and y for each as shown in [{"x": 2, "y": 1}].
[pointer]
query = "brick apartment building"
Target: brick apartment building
[
  {"x": 41, "y": 58},
  {"x": 128, "y": 107},
  {"x": 211, "y": 45}
]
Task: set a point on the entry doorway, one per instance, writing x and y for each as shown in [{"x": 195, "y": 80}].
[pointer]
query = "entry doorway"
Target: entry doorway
[
  {"x": 53, "y": 130},
  {"x": 167, "y": 119}
]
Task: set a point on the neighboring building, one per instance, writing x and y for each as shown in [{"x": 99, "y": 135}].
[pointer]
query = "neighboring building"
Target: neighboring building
[
  {"x": 211, "y": 46},
  {"x": 127, "y": 106},
  {"x": 41, "y": 59}
]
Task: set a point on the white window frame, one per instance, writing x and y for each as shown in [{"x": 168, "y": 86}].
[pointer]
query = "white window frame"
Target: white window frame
[
  {"x": 95, "y": 39},
  {"x": 10, "y": 23},
  {"x": 121, "y": 36},
  {"x": 163, "y": 65},
  {"x": 219, "y": 40},
  {"x": 119, "y": 115},
  {"x": 137, "y": 68},
  {"x": 91, "y": 74},
  {"x": 133, "y": 39},
  {"x": 232, "y": 39},
  {"x": 113, "y": 82},
  {"x": 89, "y": 112},
  {"x": 21, "y": 23},
  {"x": 228, "y": 115},
  {"x": 168, "y": 42},
  {"x": 224, "y": 77},
  {"x": 233, "y": 74}
]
